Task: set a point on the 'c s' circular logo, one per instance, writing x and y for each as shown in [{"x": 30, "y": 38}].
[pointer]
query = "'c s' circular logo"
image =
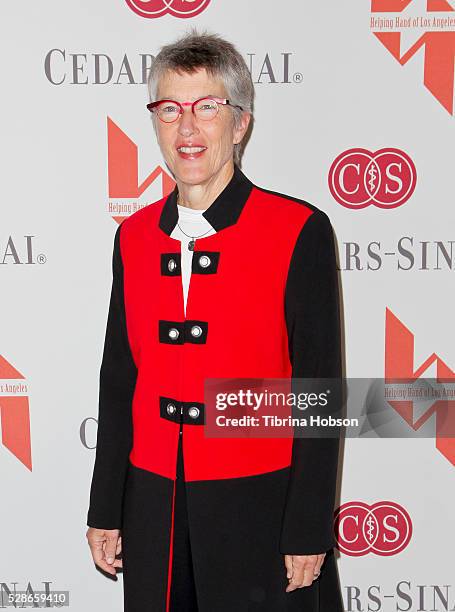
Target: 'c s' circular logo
[
  {"x": 383, "y": 528},
  {"x": 385, "y": 178},
  {"x": 178, "y": 8}
]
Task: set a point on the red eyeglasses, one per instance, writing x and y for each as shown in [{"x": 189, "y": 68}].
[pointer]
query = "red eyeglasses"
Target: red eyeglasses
[{"x": 204, "y": 108}]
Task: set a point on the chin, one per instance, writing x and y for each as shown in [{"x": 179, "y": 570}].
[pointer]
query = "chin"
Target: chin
[{"x": 192, "y": 175}]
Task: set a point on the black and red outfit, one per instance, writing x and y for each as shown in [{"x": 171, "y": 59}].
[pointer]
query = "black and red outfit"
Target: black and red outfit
[{"x": 265, "y": 306}]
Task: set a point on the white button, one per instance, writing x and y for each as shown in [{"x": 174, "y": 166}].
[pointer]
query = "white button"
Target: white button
[
  {"x": 171, "y": 265},
  {"x": 204, "y": 261},
  {"x": 171, "y": 408},
  {"x": 193, "y": 412},
  {"x": 196, "y": 331},
  {"x": 173, "y": 333}
]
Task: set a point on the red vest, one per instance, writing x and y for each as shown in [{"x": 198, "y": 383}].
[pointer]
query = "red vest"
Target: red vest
[{"x": 238, "y": 302}]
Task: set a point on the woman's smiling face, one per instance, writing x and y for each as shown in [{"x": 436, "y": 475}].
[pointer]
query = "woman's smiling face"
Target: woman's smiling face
[{"x": 215, "y": 138}]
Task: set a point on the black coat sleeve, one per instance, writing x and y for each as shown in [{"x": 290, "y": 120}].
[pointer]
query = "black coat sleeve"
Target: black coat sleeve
[
  {"x": 313, "y": 323},
  {"x": 117, "y": 381}
]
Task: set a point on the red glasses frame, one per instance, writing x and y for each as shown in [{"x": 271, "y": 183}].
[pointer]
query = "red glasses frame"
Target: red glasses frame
[{"x": 152, "y": 105}]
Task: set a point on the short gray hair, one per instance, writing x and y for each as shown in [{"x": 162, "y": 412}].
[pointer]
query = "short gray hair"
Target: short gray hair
[{"x": 221, "y": 60}]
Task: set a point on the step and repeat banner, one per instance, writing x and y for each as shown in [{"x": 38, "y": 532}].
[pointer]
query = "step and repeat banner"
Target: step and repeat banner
[{"x": 367, "y": 136}]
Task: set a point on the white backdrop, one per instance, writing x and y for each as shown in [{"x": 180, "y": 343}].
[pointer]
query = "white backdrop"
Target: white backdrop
[{"x": 347, "y": 91}]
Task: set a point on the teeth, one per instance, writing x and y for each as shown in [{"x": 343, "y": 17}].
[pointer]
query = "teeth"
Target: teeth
[{"x": 191, "y": 149}]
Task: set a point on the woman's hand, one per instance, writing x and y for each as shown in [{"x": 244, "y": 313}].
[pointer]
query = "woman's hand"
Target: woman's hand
[
  {"x": 105, "y": 544},
  {"x": 302, "y": 569}
]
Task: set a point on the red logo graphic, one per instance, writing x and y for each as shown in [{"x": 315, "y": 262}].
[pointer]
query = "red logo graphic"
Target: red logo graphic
[
  {"x": 384, "y": 528},
  {"x": 178, "y": 8},
  {"x": 14, "y": 413},
  {"x": 386, "y": 179},
  {"x": 438, "y": 46},
  {"x": 123, "y": 169},
  {"x": 399, "y": 364}
]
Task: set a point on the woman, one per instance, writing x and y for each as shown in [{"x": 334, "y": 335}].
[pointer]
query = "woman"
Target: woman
[{"x": 204, "y": 523}]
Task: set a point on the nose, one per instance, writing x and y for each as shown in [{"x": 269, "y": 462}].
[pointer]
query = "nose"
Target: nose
[{"x": 187, "y": 122}]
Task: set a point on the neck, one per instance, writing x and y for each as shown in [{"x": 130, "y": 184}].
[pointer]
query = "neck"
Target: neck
[{"x": 202, "y": 195}]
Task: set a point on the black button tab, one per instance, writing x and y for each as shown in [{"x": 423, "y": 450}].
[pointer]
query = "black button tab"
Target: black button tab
[
  {"x": 205, "y": 262},
  {"x": 171, "y": 264},
  {"x": 190, "y": 413},
  {"x": 178, "y": 332}
]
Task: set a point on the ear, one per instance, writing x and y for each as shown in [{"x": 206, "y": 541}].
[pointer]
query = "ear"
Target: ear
[{"x": 241, "y": 128}]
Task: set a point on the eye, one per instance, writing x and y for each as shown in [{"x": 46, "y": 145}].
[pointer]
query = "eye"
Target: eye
[
  {"x": 168, "y": 108},
  {"x": 206, "y": 105}
]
